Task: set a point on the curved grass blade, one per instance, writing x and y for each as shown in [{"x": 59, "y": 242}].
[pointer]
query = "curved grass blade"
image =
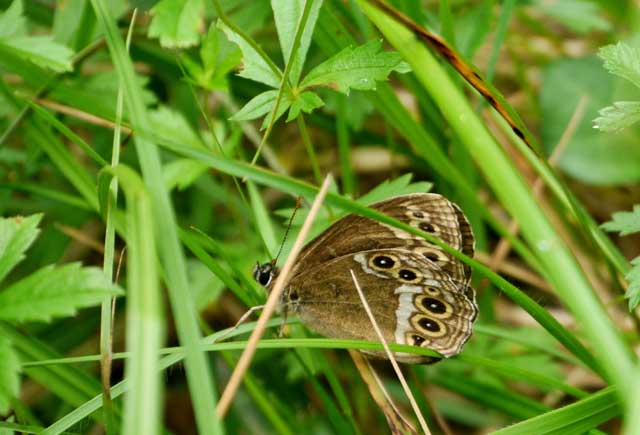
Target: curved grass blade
[
  {"x": 296, "y": 187},
  {"x": 576, "y": 418}
]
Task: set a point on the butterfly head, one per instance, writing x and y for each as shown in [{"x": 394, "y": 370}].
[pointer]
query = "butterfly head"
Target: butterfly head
[{"x": 265, "y": 273}]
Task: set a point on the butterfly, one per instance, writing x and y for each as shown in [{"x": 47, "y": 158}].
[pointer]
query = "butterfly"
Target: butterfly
[{"x": 418, "y": 293}]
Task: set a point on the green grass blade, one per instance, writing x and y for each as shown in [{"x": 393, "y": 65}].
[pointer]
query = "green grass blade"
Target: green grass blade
[
  {"x": 296, "y": 187},
  {"x": 332, "y": 37},
  {"x": 576, "y": 418},
  {"x": 145, "y": 320},
  {"x": 502, "y": 399},
  {"x": 559, "y": 264},
  {"x": 92, "y": 405},
  {"x": 199, "y": 376}
]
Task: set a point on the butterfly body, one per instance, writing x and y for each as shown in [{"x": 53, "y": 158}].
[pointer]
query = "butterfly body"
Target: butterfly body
[{"x": 418, "y": 293}]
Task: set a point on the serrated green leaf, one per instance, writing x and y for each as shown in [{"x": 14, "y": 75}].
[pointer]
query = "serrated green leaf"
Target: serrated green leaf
[
  {"x": 624, "y": 222},
  {"x": 355, "y": 68},
  {"x": 54, "y": 292},
  {"x": 254, "y": 66},
  {"x": 12, "y": 22},
  {"x": 40, "y": 50},
  {"x": 287, "y": 15},
  {"x": 16, "y": 235},
  {"x": 589, "y": 156},
  {"x": 633, "y": 278},
  {"x": 9, "y": 374},
  {"x": 219, "y": 56},
  {"x": 616, "y": 118},
  {"x": 177, "y": 22},
  {"x": 306, "y": 102},
  {"x": 579, "y": 15},
  {"x": 622, "y": 60},
  {"x": 399, "y": 186},
  {"x": 260, "y": 105}
]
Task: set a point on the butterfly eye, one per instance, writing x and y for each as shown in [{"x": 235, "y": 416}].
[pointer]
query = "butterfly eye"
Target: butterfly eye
[
  {"x": 264, "y": 278},
  {"x": 263, "y": 273}
]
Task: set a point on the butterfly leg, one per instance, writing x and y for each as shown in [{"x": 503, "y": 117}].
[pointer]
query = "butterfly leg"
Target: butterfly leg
[
  {"x": 283, "y": 321},
  {"x": 243, "y": 318}
]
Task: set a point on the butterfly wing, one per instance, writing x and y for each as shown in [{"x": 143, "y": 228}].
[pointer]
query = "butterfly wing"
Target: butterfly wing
[
  {"x": 414, "y": 301},
  {"x": 429, "y": 212}
]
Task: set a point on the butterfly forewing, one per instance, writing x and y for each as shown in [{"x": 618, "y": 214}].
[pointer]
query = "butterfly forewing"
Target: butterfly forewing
[{"x": 429, "y": 212}]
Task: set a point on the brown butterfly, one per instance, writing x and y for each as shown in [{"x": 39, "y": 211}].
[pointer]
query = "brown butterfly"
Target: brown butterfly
[{"x": 418, "y": 293}]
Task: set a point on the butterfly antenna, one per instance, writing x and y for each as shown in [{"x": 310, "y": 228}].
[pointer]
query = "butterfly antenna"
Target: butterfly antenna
[{"x": 286, "y": 232}]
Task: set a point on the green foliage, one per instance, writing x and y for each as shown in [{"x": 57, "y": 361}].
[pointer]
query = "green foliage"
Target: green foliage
[
  {"x": 52, "y": 291},
  {"x": 621, "y": 115},
  {"x": 581, "y": 16},
  {"x": 287, "y": 15},
  {"x": 9, "y": 374},
  {"x": 177, "y": 22},
  {"x": 356, "y": 68},
  {"x": 401, "y": 185},
  {"x": 589, "y": 156},
  {"x": 16, "y": 235},
  {"x": 254, "y": 65},
  {"x": 40, "y": 50},
  {"x": 352, "y": 68},
  {"x": 633, "y": 278},
  {"x": 218, "y": 57},
  {"x": 306, "y": 102},
  {"x": 623, "y": 61},
  {"x": 196, "y": 215},
  {"x": 625, "y": 223}
]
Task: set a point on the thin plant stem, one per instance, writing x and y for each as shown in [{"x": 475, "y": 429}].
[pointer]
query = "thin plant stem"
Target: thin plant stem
[
  {"x": 306, "y": 140},
  {"x": 273, "y": 299},
  {"x": 392, "y": 358},
  {"x": 284, "y": 84},
  {"x": 107, "y": 307}
]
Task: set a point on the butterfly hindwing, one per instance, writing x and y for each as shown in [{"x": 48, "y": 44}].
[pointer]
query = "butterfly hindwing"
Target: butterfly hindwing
[{"x": 414, "y": 301}]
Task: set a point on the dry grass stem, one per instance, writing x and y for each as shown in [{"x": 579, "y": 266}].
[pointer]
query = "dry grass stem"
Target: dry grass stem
[
  {"x": 79, "y": 114},
  {"x": 81, "y": 237},
  {"x": 398, "y": 424},
  {"x": 272, "y": 301},
  {"x": 394, "y": 363}
]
